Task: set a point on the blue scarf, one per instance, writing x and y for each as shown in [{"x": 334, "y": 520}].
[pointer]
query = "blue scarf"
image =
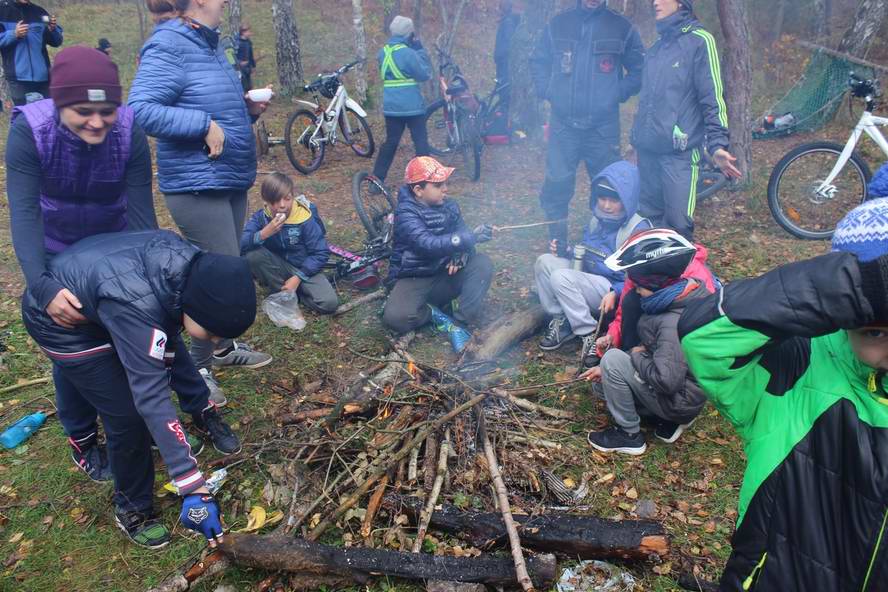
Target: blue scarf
[{"x": 661, "y": 300}]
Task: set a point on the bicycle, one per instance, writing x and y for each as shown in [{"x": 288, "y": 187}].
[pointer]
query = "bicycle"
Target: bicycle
[
  {"x": 710, "y": 179},
  {"x": 310, "y": 130},
  {"x": 806, "y": 204},
  {"x": 375, "y": 206},
  {"x": 362, "y": 269}
]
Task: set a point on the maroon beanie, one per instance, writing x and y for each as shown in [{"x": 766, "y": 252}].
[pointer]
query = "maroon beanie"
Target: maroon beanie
[{"x": 83, "y": 75}]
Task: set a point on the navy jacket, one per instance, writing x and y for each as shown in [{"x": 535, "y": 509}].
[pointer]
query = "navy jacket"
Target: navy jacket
[
  {"x": 130, "y": 285},
  {"x": 26, "y": 59},
  {"x": 426, "y": 237}
]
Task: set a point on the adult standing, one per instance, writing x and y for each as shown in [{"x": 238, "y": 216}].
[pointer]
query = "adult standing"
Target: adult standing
[
  {"x": 188, "y": 95},
  {"x": 403, "y": 64},
  {"x": 588, "y": 60},
  {"x": 680, "y": 109},
  {"x": 25, "y": 31},
  {"x": 502, "y": 49}
]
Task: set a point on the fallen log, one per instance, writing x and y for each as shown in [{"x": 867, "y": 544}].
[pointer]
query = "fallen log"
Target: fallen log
[
  {"x": 503, "y": 334},
  {"x": 313, "y": 560},
  {"x": 531, "y": 406},
  {"x": 190, "y": 574},
  {"x": 349, "y": 306},
  {"x": 582, "y": 537}
]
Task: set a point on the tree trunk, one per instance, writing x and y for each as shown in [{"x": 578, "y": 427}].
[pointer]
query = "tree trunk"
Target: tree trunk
[
  {"x": 527, "y": 109},
  {"x": 738, "y": 82},
  {"x": 453, "y": 26},
  {"x": 505, "y": 333},
  {"x": 140, "y": 11},
  {"x": 390, "y": 9},
  {"x": 417, "y": 17},
  {"x": 822, "y": 18},
  {"x": 360, "y": 49},
  {"x": 865, "y": 27},
  {"x": 641, "y": 13},
  {"x": 234, "y": 19},
  {"x": 289, "y": 54},
  {"x": 779, "y": 21}
]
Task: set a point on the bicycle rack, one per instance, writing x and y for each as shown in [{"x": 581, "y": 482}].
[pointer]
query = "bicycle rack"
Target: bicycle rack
[{"x": 264, "y": 140}]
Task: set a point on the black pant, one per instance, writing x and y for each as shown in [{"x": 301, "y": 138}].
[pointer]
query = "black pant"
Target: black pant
[
  {"x": 247, "y": 79},
  {"x": 406, "y": 308},
  {"x": 394, "y": 129},
  {"x": 18, "y": 90},
  {"x": 502, "y": 77},
  {"x": 669, "y": 189}
]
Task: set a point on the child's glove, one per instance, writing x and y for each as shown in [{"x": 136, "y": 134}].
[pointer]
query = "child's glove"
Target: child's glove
[
  {"x": 201, "y": 513},
  {"x": 483, "y": 233}
]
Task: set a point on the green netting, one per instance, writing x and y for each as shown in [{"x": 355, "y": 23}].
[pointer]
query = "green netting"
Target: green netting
[{"x": 815, "y": 98}]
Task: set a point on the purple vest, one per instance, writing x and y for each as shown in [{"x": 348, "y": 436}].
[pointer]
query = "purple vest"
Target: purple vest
[{"x": 83, "y": 186}]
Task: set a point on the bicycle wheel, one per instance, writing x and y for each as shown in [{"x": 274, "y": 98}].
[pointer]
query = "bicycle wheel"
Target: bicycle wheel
[
  {"x": 710, "y": 182},
  {"x": 305, "y": 147},
  {"x": 471, "y": 147},
  {"x": 793, "y": 195},
  {"x": 439, "y": 128},
  {"x": 361, "y": 137},
  {"x": 374, "y": 205}
]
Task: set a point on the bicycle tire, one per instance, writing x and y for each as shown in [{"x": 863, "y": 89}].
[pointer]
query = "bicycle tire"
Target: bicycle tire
[
  {"x": 472, "y": 146},
  {"x": 436, "y": 129},
  {"x": 365, "y": 152},
  {"x": 306, "y": 168},
  {"x": 374, "y": 210},
  {"x": 710, "y": 183},
  {"x": 821, "y": 156}
]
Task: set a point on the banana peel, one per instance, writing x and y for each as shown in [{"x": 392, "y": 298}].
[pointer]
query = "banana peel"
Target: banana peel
[{"x": 259, "y": 519}]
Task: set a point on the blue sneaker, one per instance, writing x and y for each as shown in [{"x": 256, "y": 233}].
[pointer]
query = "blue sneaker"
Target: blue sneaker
[{"x": 459, "y": 337}]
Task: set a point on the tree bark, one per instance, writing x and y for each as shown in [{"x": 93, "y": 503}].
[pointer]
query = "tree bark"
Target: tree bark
[
  {"x": 360, "y": 49},
  {"x": 505, "y": 333},
  {"x": 738, "y": 82},
  {"x": 822, "y": 20},
  {"x": 289, "y": 53},
  {"x": 865, "y": 27},
  {"x": 390, "y": 9},
  {"x": 417, "y": 17},
  {"x": 234, "y": 19},
  {"x": 526, "y": 108},
  {"x": 140, "y": 11}
]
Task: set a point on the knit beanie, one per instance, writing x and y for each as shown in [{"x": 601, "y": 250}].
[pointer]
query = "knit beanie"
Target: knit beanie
[
  {"x": 604, "y": 189},
  {"x": 219, "y": 294},
  {"x": 864, "y": 231},
  {"x": 83, "y": 75},
  {"x": 401, "y": 26}
]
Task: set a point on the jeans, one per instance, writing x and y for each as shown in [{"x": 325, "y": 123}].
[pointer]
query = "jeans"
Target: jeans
[{"x": 394, "y": 129}]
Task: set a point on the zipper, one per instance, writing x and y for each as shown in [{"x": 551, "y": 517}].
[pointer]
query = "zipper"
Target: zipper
[
  {"x": 869, "y": 571},
  {"x": 748, "y": 582}
]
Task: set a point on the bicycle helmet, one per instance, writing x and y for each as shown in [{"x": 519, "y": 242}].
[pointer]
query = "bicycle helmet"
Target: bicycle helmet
[{"x": 653, "y": 258}]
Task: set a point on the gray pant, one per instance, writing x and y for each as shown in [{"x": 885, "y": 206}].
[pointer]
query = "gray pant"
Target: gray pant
[
  {"x": 272, "y": 270},
  {"x": 669, "y": 189},
  {"x": 626, "y": 394},
  {"x": 574, "y": 294},
  {"x": 212, "y": 221}
]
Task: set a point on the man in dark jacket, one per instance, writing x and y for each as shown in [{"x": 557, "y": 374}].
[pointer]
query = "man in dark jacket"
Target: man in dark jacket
[
  {"x": 681, "y": 109},
  {"x": 137, "y": 291},
  {"x": 502, "y": 49},
  {"x": 25, "y": 31},
  {"x": 588, "y": 61}
]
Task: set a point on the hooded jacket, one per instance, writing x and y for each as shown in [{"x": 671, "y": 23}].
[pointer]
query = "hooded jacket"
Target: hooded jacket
[
  {"x": 585, "y": 64},
  {"x": 26, "y": 59},
  {"x": 401, "y": 97},
  {"x": 681, "y": 91},
  {"x": 771, "y": 354},
  {"x": 301, "y": 241}
]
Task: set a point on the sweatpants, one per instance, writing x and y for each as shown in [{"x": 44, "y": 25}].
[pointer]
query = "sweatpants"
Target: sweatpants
[
  {"x": 669, "y": 189},
  {"x": 406, "y": 308},
  {"x": 212, "y": 221},
  {"x": 394, "y": 129},
  {"x": 574, "y": 294},
  {"x": 271, "y": 271},
  {"x": 568, "y": 146},
  {"x": 626, "y": 394}
]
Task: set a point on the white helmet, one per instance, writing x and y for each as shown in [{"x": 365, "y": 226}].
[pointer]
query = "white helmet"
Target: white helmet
[{"x": 652, "y": 257}]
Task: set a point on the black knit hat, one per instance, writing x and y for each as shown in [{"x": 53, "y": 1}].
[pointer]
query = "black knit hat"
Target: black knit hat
[{"x": 219, "y": 294}]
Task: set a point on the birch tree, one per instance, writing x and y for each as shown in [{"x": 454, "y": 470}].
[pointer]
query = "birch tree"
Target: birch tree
[
  {"x": 289, "y": 54},
  {"x": 360, "y": 49}
]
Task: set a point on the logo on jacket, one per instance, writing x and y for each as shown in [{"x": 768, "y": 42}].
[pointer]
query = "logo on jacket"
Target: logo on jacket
[
  {"x": 176, "y": 428},
  {"x": 676, "y": 65},
  {"x": 198, "y": 515},
  {"x": 158, "y": 344},
  {"x": 606, "y": 65}
]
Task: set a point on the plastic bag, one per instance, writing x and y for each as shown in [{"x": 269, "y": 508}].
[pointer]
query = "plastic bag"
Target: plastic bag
[
  {"x": 283, "y": 310},
  {"x": 595, "y": 576}
]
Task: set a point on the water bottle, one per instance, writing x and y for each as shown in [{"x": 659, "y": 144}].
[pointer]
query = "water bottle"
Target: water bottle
[
  {"x": 22, "y": 429},
  {"x": 784, "y": 121}
]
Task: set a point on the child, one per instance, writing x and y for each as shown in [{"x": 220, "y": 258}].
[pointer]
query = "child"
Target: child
[
  {"x": 246, "y": 62},
  {"x": 285, "y": 245},
  {"x": 574, "y": 297},
  {"x": 433, "y": 259},
  {"x": 796, "y": 360},
  {"x": 653, "y": 378}
]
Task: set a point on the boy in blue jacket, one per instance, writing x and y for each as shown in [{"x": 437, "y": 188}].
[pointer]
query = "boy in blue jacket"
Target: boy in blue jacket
[{"x": 285, "y": 245}]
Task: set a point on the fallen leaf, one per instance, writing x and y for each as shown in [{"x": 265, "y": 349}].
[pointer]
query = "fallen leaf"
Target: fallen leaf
[
  {"x": 255, "y": 520},
  {"x": 605, "y": 479},
  {"x": 16, "y": 537},
  {"x": 632, "y": 493}
]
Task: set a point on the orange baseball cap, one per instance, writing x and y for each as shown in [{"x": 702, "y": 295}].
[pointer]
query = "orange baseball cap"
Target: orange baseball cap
[{"x": 426, "y": 168}]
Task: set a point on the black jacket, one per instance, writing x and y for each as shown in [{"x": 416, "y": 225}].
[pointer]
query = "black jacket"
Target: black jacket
[
  {"x": 682, "y": 86},
  {"x": 505, "y": 31},
  {"x": 587, "y": 63}
]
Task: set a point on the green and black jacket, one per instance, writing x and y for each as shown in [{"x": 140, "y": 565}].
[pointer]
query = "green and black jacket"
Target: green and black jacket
[{"x": 772, "y": 356}]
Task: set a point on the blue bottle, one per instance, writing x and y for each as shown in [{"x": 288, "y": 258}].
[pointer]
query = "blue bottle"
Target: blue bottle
[{"x": 22, "y": 429}]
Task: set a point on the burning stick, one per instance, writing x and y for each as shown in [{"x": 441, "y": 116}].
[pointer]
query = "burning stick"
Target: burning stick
[{"x": 534, "y": 225}]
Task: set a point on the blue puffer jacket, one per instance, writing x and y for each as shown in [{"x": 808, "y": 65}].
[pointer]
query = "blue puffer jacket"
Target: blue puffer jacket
[
  {"x": 426, "y": 237},
  {"x": 302, "y": 244},
  {"x": 602, "y": 237},
  {"x": 405, "y": 101},
  {"x": 184, "y": 80}
]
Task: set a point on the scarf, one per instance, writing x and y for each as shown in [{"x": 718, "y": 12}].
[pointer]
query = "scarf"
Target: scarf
[{"x": 662, "y": 299}]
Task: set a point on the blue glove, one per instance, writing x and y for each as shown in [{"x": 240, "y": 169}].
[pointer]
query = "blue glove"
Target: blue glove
[{"x": 201, "y": 513}]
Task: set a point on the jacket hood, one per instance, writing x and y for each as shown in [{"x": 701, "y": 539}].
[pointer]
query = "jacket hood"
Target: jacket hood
[
  {"x": 180, "y": 27},
  {"x": 299, "y": 213},
  {"x": 395, "y": 39},
  {"x": 622, "y": 176}
]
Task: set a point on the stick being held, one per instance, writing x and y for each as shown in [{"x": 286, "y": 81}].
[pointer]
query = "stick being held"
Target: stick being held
[{"x": 532, "y": 225}]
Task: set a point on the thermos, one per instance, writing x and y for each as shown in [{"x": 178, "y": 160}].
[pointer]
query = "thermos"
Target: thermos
[{"x": 579, "y": 254}]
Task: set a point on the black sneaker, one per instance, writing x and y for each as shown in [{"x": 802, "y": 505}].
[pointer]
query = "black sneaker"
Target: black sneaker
[
  {"x": 197, "y": 445},
  {"x": 558, "y": 334},
  {"x": 144, "y": 530},
  {"x": 589, "y": 353},
  {"x": 210, "y": 425},
  {"x": 91, "y": 458},
  {"x": 615, "y": 439},
  {"x": 669, "y": 432}
]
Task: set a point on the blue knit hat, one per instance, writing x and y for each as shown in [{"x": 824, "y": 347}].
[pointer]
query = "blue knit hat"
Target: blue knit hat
[{"x": 864, "y": 231}]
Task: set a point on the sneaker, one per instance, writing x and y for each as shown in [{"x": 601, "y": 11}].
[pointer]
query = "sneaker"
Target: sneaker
[
  {"x": 91, "y": 458},
  {"x": 459, "y": 337},
  {"x": 241, "y": 354},
  {"x": 210, "y": 425},
  {"x": 197, "y": 445},
  {"x": 558, "y": 334},
  {"x": 144, "y": 530},
  {"x": 217, "y": 397},
  {"x": 669, "y": 432},
  {"x": 615, "y": 439},
  {"x": 589, "y": 353}
]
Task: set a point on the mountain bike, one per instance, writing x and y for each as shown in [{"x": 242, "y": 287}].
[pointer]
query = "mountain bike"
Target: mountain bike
[
  {"x": 375, "y": 206},
  {"x": 309, "y": 131},
  {"x": 808, "y": 204}
]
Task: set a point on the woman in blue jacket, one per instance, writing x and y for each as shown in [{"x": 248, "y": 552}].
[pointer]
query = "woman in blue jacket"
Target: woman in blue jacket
[{"x": 189, "y": 97}]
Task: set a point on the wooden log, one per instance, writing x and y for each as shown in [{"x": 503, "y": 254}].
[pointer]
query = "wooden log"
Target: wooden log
[
  {"x": 426, "y": 513},
  {"x": 347, "y": 409},
  {"x": 504, "y": 334},
  {"x": 190, "y": 574},
  {"x": 533, "y": 407},
  {"x": 306, "y": 558},
  {"x": 349, "y": 306},
  {"x": 582, "y": 537}
]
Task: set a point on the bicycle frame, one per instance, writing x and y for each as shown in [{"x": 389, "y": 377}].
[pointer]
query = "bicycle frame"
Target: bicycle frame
[
  {"x": 330, "y": 116},
  {"x": 869, "y": 124}
]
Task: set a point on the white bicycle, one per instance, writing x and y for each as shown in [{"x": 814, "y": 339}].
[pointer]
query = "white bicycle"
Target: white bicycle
[
  {"x": 807, "y": 204},
  {"x": 310, "y": 130}
]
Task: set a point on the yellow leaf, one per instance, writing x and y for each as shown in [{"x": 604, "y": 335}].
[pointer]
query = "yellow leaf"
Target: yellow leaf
[
  {"x": 76, "y": 513},
  {"x": 315, "y": 520},
  {"x": 632, "y": 493},
  {"x": 274, "y": 518},
  {"x": 16, "y": 537},
  {"x": 606, "y": 479},
  {"x": 569, "y": 483},
  {"x": 256, "y": 520}
]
